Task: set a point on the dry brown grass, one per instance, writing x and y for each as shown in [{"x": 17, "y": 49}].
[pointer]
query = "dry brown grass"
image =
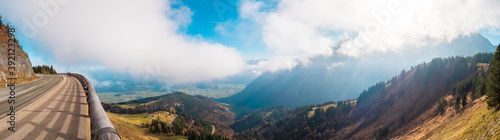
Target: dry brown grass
[
  {"x": 129, "y": 126},
  {"x": 19, "y": 80},
  {"x": 474, "y": 121},
  {"x": 311, "y": 113}
]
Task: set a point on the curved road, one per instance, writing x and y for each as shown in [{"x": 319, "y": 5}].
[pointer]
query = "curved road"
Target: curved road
[{"x": 53, "y": 107}]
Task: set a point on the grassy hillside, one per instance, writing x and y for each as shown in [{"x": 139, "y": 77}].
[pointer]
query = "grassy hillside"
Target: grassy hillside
[
  {"x": 131, "y": 126},
  {"x": 474, "y": 121}
]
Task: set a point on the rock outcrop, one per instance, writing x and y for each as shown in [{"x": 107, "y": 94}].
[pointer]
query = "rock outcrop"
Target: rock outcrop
[{"x": 23, "y": 66}]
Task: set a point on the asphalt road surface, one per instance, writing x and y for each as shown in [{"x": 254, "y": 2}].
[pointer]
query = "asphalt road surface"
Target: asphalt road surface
[{"x": 52, "y": 107}]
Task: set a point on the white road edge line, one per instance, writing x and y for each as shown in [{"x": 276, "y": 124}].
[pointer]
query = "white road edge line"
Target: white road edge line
[{"x": 27, "y": 106}]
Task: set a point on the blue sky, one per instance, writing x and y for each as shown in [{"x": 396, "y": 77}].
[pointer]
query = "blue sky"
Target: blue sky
[
  {"x": 190, "y": 41},
  {"x": 208, "y": 14},
  {"x": 494, "y": 38}
]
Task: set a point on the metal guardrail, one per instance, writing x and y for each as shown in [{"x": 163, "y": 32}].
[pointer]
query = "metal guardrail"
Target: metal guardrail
[{"x": 101, "y": 126}]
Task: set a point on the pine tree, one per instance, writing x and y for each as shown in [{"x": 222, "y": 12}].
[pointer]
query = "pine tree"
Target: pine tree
[
  {"x": 51, "y": 70},
  {"x": 42, "y": 71},
  {"x": 464, "y": 101},
  {"x": 494, "y": 81}
]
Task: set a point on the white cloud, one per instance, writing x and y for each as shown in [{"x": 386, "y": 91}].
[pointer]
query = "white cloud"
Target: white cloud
[
  {"x": 106, "y": 83},
  {"x": 333, "y": 65},
  {"x": 125, "y": 35},
  {"x": 275, "y": 64},
  {"x": 299, "y": 29}
]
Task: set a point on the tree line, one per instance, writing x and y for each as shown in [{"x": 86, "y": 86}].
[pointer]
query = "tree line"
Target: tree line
[
  {"x": 43, "y": 69},
  {"x": 493, "y": 85},
  {"x": 179, "y": 127}
]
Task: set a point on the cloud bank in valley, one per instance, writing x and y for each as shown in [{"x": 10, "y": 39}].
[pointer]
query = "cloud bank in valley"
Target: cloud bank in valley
[
  {"x": 299, "y": 29},
  {"x": 136, "y": 37}
]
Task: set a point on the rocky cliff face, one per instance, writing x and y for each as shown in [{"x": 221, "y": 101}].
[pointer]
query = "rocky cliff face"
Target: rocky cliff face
[{"x": 23, "y": 64}]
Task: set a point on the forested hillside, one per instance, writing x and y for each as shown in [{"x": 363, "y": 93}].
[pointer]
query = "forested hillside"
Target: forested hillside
[
  {"x": 195, "y": 111},
  {"x": 44, "y": 69},
  {"x": 323, "y": 79},
  {"x": 390, "y": 108}
]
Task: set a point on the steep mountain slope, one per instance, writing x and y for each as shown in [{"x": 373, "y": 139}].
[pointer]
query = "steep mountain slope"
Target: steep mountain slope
[
  {"x": 474, "y": 121},
  {"x": 22, "y": 61},
  {"x": 339, "y": 78},
  {"x": 398, "y": 108}
]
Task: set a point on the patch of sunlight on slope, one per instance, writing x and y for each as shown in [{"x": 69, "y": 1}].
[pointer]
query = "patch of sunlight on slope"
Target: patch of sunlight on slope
[
  {"x": 129, "y": 126},
  {"x": 311, "y": 113},
  {"x": 479, "y": 123}
]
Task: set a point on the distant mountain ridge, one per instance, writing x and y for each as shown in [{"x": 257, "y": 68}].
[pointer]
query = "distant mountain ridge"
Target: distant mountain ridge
[
  {"x": 420, "y": 103},
  {"x": 341, "y": 78}
]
